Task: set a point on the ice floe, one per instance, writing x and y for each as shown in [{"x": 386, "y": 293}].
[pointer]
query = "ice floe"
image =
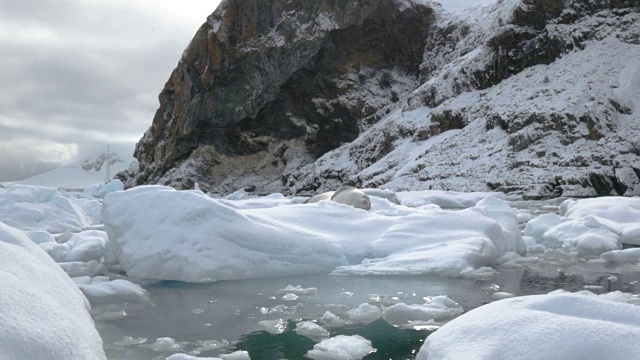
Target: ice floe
[
  {"x": 558, "y": 325},
  {"x": 341, "y": 347},
  {"x": 160, "y": 233},
  {"x": 44, "y": 315}
]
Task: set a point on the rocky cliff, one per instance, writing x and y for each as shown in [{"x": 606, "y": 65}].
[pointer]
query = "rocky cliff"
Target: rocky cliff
[{"x": 538, "y": 97}]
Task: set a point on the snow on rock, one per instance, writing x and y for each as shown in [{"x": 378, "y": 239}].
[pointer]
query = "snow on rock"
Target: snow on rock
[
  {"x": 44, "y": 315},
  {"x": 554, "y": 326},
  {"x": 40, "y": 208},
  {"x": 341, "y": 347},
  {"x": 437, "y": 308},
  {"x": 365, "y": 313},
  {"x": 311, "y": 330},
  {"x": 101, "y": 190},
  {"x": 99, "y": 291},
  {"x": 159, "y": 233}
]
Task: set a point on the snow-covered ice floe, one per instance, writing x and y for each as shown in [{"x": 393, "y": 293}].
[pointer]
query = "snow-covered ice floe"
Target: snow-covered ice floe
[
  {"x": 590, "y": 227},
  {"x": 44, "y": 315},
  {"x": 341, "y": 347},
  {"x": 159, "y": 233},
  {"x": 558, "y": 325},
  {"x": 27, "y": 207}
]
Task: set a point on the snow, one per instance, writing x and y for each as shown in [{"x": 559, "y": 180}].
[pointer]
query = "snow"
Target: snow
[
  {"x": 554, "y": 326},
  {"x": 160, "y": 233},
  {"x": 102, "y": 190},
  {"x": 619, "y": 256},
  {"x": 86, "y": 169},
  {"x": 43, "y": 315},
  {"x": 436, "y": 308},
  {"x": 298, "y": 290},
  {"x": 365, "y": 313},
  {"x": 341, "y": 347},
  {"x": 590, "y": 227},
  {"x": 99, "y": 291},
  {"x": 40, "y": 208},
  {"x": 311, "y": 330}
]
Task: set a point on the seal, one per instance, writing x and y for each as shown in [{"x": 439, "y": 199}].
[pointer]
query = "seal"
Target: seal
[
  {"x": 353, "y": 197},
  {"x": 320, "y": 197}
]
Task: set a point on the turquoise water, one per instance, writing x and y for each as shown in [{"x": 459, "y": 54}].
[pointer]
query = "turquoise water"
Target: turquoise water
[{"x": 210, "y": 319}]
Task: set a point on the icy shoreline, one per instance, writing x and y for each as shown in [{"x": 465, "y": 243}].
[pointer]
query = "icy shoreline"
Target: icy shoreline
[{"x": 109, "y": 240}]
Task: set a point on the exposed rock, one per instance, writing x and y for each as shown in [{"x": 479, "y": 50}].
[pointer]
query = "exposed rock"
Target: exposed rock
[
  {"x": 267, "y": 87},
  {"x": 533, "y": 97}
]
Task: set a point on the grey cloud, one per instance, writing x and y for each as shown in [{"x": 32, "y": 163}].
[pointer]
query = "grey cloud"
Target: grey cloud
[{"x": 82, "y": 72}]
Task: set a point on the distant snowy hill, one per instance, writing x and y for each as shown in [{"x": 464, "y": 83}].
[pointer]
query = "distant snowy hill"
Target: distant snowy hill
[{"x": 85, "y": 170}]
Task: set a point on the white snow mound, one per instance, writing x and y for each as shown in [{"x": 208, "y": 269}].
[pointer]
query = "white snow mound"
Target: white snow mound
[
  {"x": 44, "y": 315},
  {"x": 159, "y": 233},
  {"x": 554, "y": 326},
  {"x": 27, "y": 207}
]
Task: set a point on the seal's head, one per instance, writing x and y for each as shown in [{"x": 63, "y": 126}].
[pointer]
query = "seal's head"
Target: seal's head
[{"x": 353, "y": 197}]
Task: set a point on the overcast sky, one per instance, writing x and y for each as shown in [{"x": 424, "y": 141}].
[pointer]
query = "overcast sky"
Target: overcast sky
[{"x": 79, "y": 72}]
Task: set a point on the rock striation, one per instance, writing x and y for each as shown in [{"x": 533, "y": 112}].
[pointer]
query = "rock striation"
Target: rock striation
[
  {"x": 534, "y": 97},
  {"x": 266, "y": 87}
]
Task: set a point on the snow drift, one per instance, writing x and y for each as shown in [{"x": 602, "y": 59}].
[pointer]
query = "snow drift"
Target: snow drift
[{"x": 159, "y": 233}]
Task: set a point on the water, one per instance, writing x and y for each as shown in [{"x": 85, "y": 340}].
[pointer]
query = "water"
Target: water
[{"x": 209, "y": 319}]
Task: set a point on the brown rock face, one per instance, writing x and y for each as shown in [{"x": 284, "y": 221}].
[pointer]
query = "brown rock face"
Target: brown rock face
[{"x": 266, "y": 87}]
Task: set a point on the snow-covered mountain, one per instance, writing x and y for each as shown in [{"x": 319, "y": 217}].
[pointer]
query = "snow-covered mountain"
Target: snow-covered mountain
[
  {"x": 539, "y": 98},
  {"x": 86, "y": 169}
]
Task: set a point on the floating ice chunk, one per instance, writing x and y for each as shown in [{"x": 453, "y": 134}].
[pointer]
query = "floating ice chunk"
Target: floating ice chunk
[
  {"x": 87, "y": 246},
  {"x": 129, "y": 341},
  {"x": 311, "y": 330},
  {"x": 39, "y": 208},
  {"x": 165, "y": 344},
  {"x": 236, "y": 355},
  {"x": 502, "y": 295},
  {"x": 40, "y": 236},
  {"x": 341, "y": 347},
  {"x": 481, "y": 273},
  {"x": 582, "y": 326},
  {"x": 440, "y": 307},
  {"x": 586, "y": 235},
  {"x": 43, "y": 312},
  {"x": 119, "y": 290},
  {"x": 205, "y": 241},
  {"x": 276, "y": 326},
  {"x": 79, "y": 268},
  {"x": 181, "y": 356},
  {"x": 445, "y": 199},
  {"x": 101, "y": 190},
  {"x": 621, "y": 256},
  {"x": 91, "y": 207},
  {"x": 331, "y": 320},
  {"x": 238, "y": 195},
  {"x": 365, "y": 313},
  {"x": 298, "y": 290},
  {"x": 538, "y": 226},
  {"x": 289, "y": 297}
]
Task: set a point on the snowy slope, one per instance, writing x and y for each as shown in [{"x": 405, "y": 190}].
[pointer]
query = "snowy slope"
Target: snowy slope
[
  {"x": 569, "y": 127},
  {"x": 85, "y": 170}
]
